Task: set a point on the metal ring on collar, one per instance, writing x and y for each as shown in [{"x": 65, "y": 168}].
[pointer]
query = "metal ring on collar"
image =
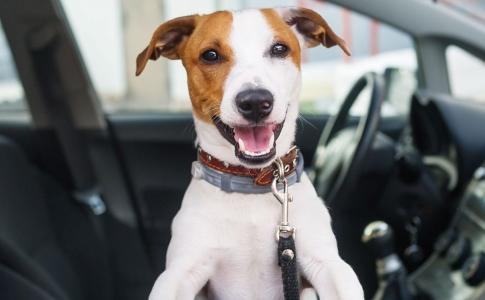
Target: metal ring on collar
[{"x": 281, "y": 168}]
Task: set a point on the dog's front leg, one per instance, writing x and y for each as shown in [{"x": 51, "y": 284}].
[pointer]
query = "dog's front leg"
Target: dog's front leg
[
  {"x": 320, "y": 264},
  {"x": 183, "y": 279},
  {"x": 333, "y": 279},
  {"x": 318, "y": 256}
]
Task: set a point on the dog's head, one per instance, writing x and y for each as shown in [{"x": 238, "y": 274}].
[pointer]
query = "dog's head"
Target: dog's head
[{"x": 243, "y": 71}]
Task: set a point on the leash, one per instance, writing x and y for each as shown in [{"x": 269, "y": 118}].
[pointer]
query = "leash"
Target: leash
[{"x": 285, "y": 236}]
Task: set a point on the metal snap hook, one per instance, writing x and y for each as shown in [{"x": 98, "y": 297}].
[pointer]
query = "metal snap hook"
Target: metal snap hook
[
  {"x": 284, "y": 229},
  {"x": 279, "y": 195}
]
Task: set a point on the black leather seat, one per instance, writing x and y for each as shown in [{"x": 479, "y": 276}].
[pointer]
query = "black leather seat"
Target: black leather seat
[{"x": 49, "y": 249}]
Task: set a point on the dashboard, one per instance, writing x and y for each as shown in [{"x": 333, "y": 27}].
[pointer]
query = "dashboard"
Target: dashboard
[
  {"x": 448, "y": 133},
  {"x": 451, "y": 129},
  {"x": 456, "y": 269}
]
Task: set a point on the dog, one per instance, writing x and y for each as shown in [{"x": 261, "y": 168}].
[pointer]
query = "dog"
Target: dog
[{"x": 243, "y": 72}]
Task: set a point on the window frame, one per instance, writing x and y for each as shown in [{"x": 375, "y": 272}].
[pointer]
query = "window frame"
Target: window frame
[
  {"x": 426, "y": 29},
  {"x": 36, "y": 25},
  {"x": 431, "y": 37}
]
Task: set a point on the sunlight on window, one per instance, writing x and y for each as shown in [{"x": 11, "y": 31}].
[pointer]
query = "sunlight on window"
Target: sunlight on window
[
  {"x": 11, "y": 91},
  {"x": 466, "y": 73},
  {"x": 111, "y": 36}
]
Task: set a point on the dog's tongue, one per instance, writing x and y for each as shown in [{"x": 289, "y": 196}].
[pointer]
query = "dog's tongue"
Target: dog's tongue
[{"x": 254, "y": 139}]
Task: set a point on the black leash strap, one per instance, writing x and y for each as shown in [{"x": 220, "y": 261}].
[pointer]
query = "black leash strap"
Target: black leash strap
[
  {"x": 289, "y": 272},
  {"x": 285, "y": 235}
]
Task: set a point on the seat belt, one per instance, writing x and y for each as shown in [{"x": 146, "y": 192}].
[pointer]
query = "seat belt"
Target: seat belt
[{"x": 44, "y": 45}]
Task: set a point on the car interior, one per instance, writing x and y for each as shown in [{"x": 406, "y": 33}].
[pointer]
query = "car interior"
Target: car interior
[{"x": 88, "y": 193}]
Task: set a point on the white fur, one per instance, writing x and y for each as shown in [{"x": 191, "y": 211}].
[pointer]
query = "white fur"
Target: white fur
[{"x": 227, "y": 240}]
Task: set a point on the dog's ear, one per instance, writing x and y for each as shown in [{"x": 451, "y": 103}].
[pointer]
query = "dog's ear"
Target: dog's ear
[
  {"x": 312, "y": 27},
  {"x": 167, "y": 40}
]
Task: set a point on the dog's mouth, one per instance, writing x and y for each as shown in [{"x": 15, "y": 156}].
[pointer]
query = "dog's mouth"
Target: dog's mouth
[{"x": 254, "y": 144}]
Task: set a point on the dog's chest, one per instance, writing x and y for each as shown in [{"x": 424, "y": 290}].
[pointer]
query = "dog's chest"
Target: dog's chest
[
  {"x": 244, "y": 229},
  {"x": 248, "y": 267}
]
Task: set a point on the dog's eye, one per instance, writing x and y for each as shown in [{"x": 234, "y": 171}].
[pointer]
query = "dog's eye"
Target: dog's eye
[
  {"x": 210, "y": 56},
  {"x": 279, "y": 50}
]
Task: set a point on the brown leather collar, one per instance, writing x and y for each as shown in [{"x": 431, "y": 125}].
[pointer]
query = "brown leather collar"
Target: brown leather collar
[{"x": 262, "y": 176}]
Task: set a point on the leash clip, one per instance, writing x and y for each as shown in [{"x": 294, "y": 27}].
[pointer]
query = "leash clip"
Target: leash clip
[{"x": 284, "y": 229}]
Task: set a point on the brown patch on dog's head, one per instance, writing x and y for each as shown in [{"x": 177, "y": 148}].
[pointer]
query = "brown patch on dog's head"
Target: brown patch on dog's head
[
  {"x": 284, "y": 34},
  {"x": 206, "y": 81},
  {"x": 187, "y": 38},
  {"x": 313, "y": 28}
]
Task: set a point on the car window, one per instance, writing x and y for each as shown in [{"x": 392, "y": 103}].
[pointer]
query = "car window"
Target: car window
[
  {"x": 111, "y": 36},
  {"x": 12, "y": 104},
  {"x": 466, "y": 73}
]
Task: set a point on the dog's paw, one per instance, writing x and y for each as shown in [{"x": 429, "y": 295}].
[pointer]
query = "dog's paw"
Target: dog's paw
[
  {"x": 165, "y": 288},
  {"x": 348, "y": 286},
  {"x": 308, "y": 294},
  {"x": 333, "y": 279}
]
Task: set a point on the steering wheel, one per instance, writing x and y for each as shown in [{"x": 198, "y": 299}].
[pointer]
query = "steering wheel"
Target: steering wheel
[{"x": 341, "y": 151}]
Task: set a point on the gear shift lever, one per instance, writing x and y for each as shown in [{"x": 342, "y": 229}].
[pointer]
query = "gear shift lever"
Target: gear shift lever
[{"x": 379, "y": 237}]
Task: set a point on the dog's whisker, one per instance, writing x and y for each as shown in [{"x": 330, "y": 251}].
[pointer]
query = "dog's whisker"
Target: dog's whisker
[
  {"x": 212, "y": 109},
  {"x": 304, "y": 120},
  {"x": 190, "y": 129}
]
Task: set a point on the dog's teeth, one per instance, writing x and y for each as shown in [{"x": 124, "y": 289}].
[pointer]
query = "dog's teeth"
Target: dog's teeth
[
  {"x": 251, "y": 153},
  {"x": 271, "y": 142},
  {"x": 242, "y": 147}
]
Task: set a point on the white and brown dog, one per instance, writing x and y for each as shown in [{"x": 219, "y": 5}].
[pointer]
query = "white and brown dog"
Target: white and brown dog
[{"x": 243, "y": 71}]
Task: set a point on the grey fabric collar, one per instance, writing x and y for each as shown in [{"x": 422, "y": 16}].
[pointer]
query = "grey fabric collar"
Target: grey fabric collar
[{"x": 240, "y": 184}]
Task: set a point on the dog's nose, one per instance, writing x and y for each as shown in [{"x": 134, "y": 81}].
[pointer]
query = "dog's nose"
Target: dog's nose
[{"x": 254, "y": 105}]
